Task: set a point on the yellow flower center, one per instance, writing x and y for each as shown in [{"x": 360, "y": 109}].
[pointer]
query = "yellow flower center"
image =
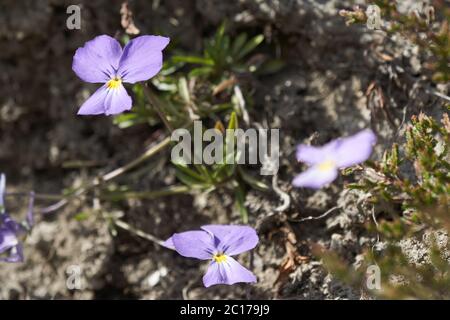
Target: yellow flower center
[
  {"x": 326, "y": 165},
  {"x": 220, "y": 257},
  {"x": 114, "y": 83}
]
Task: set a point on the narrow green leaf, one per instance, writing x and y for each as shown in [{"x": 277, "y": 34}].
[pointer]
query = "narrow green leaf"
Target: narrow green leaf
[
  {"x": 81, "y": 216},
  {"x": 203, "y": 71},
  {"x": 194, "y": 60},
  {"x": 270, "y": 67},
  {"x": 253, "y": 182},
  {"x": 189, "y": 172},
  {"x": 187, "y": 180},
  {"x": 240, "y": 203},
  {"x": 250, "y": 46},
  {"x": 238, "y": 44},
  {"x": 184, "y": 90},
  {"x": 233, "y": 123}
]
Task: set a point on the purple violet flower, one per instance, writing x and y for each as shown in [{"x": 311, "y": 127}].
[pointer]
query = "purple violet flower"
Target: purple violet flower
[
  {"x": 10, "y": 247},
  {"x": 325, "y": 161},
  {"x": 102, "y": 60},
  {"x": 217, "y": 243}
]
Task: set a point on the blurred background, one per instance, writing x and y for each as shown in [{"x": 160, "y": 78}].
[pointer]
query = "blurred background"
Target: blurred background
[{"x": 324, "y": 84}]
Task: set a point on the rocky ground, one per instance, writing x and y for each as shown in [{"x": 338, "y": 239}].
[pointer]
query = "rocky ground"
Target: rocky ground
[{"x": 321, "y": 94}]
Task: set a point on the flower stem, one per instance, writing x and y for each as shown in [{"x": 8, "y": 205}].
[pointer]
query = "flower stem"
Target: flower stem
[
  {"x": 172, "y": 190},
  {"x": 148, "y": 154},
  {"x": 123, "y": 225},
  {"x": 107, "y": 177},
  {"x": 37, "y": 196},
  {"x": 155, "y": 103}
]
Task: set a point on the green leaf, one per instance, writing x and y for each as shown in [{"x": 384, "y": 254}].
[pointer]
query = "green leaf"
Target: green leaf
[
  {"x": 220, "y": 32},
  {"x": 221, "y": 172},
  {"x": 253, "y": 182},
  {"x": 190, "y": 173},
  {"x": 238, "y": 44},
  {"x": 270, "y": 67},
  {"x": 81, "y": 216},
  {"x": 187, "y": 180},
  {"x": 250, "y": 46},
  {"x": 212, "y": 52},
  {"x": 203, "y": 170},
  {"x": 224, "y": 50},
  {"x": 194, "y": 60},
  {"x": 164, "y": 85},
  {"x": 184, "y": 90},
  {"x": 233, "y": 123},
  {"x": 221, "y": 107},
  {"x": 128, "y": 120},
  {"x": 240, "y": 204},
  {"x": 203, "y": 71},
  {"x": 170, "y": 67},
  {"x": 231, "y": 154}
]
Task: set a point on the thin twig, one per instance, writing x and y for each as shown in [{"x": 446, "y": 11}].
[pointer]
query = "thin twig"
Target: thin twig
[
  {"x": 63, "y": 202},
  {"x": 438, "y": 94},
  {"x": 140, "y": 233},
  {"x": 107, "y": 177},
  {"x": 324, "y": 215},
  {"x": 147, "y": 194},
  {"x": 148, "y": 154},
  {"x": 37, "y": 196}
]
